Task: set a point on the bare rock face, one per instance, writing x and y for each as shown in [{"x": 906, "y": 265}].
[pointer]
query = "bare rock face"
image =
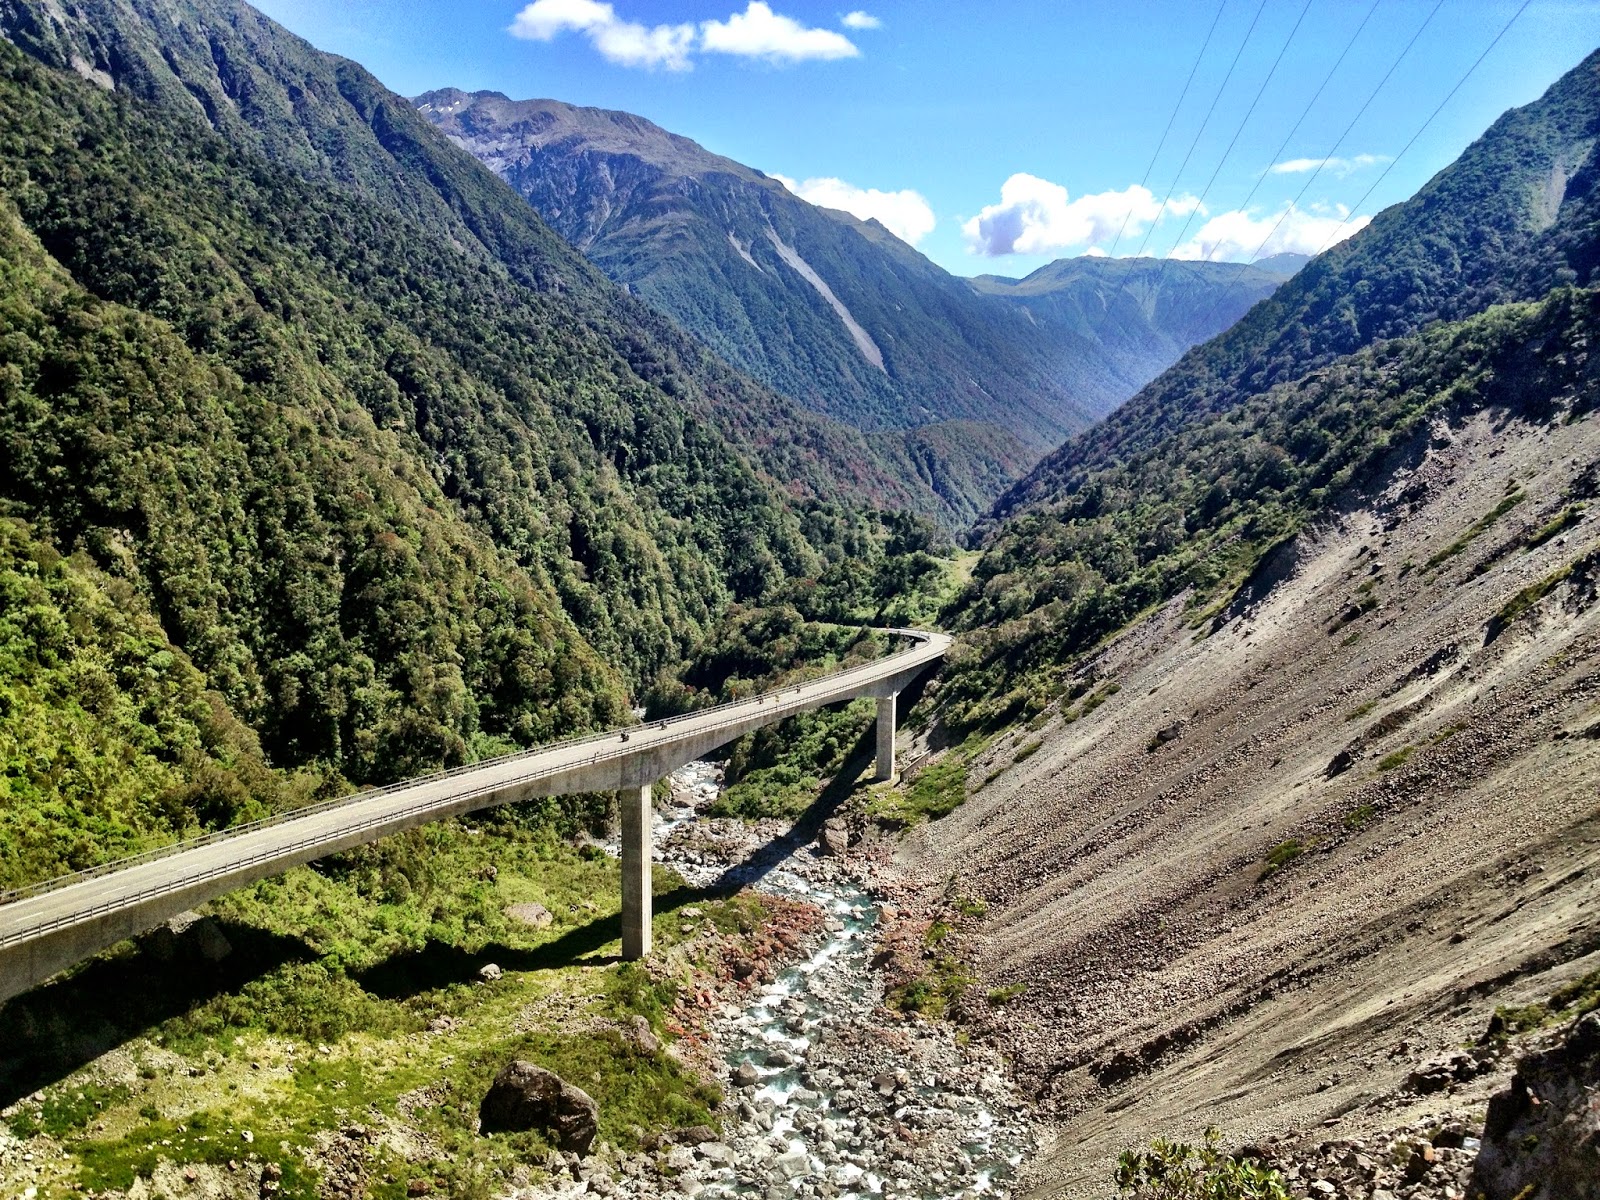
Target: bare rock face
[
  {"x": 1541, "y": 1140},
  {"x": 524, "y": 1096}
]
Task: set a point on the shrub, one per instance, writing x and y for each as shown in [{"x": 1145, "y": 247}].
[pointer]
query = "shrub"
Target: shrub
[
  {"x": 1178, "y": 1171},
  {"x": 1390, "y": 762},
  {"x": 1281, "y": 856},
  {"x": 1360, "y": 817}
]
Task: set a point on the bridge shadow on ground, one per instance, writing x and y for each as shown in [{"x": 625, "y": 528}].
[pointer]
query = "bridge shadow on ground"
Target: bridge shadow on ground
[
  {"x": 440, "y": 964},
  {"x": 50, "y": 1032},
  {"x": 808, "y": 825}
]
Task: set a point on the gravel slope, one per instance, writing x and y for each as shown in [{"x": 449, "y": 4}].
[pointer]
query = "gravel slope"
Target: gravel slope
[{"x": 1172, "y": 980}]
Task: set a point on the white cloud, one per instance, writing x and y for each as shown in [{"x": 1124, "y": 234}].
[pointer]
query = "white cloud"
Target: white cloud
[
  {"x": 1238, "y": 234},
  {"x": 1035, "y": 216},
  {"x": 758, "y": 32},
  {"x": 904, "y": 213},
  {"x": 1337, "y": 166},
  {"x": 860, "y": 20},
  {"x": 626, "y": 43}
]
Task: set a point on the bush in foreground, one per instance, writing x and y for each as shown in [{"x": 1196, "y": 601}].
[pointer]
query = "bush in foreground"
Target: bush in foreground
[{"x": 1178, "y": 1171}]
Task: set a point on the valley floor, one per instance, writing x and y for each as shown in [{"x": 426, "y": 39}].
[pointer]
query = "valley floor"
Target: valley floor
[{"x": 1305, "y": 848}]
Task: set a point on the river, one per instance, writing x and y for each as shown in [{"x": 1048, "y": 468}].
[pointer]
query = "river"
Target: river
[{"x": 829, "y": 1095}]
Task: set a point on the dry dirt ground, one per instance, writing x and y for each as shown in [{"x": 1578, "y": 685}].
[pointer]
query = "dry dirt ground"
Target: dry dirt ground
[{"x": 1172, "y": 979}]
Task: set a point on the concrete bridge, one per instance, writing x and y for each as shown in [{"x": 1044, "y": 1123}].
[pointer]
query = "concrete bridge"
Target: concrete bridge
[{"x": 49, "y": 927}]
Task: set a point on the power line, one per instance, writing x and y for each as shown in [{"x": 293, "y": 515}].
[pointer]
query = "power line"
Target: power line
[
  {"x": 1261, "y": 91},
  {"x": 1201, "y": 131},
  {"x": 1371, "y": 96},
  {"x": 1448, "y": 97},
  {"x": 1278, "y": 154},
  {"x": 1160, "y": 145}
]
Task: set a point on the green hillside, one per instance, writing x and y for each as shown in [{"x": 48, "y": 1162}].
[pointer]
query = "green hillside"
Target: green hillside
[
  {"x": 1249, "y": 436},
  {"x": 405, "y": 478}
]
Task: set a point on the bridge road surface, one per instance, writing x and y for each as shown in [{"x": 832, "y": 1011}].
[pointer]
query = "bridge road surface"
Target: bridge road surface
[{"x": 49, "y": 927}]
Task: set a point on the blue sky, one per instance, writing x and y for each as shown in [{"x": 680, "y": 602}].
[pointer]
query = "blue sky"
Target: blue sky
[{"x": 1003, "y": 135}]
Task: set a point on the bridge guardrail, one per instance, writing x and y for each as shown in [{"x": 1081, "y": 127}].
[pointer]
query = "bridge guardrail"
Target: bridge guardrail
[{"x": 158, "y": 853}]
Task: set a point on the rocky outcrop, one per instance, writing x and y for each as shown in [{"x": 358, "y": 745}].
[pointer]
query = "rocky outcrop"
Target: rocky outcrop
[
  {"x": 1541, "y": 1139},
  {"x": 525, "y": 1096},
  {"x": 187, "y": 937},
  {"x": 530, "y": 913}
]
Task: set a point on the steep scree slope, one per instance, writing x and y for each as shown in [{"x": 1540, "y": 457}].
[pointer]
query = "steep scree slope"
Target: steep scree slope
[{"x": 1303, "y": 846}]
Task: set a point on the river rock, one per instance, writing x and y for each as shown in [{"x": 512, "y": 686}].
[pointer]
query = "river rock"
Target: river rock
[
  {"x": 792, "y": 1163},
  {"x": 525, "y": 1096},
  {"x": 642, "y": 1036},
  {"x": 835, "y": 837},
  {"x": 746, "y": 1075}
]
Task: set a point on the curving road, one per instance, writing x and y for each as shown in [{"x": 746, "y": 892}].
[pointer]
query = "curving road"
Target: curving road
[{"x": 49, "y": 927}]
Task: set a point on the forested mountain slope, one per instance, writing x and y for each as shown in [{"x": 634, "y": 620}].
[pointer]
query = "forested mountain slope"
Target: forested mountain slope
[
  {"x": 1226, "y": 454},
  {"x": 834, "y": 312},
  {"x": 403, "y": 475}
]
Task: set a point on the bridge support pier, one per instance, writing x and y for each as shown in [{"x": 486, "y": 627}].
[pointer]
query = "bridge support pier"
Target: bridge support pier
[
  {"x": 886, "y": 706},
  {"x": 636, "y": 907}
]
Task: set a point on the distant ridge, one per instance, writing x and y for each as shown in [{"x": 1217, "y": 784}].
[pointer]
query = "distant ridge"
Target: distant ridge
[{"x": 834, "y": 312}]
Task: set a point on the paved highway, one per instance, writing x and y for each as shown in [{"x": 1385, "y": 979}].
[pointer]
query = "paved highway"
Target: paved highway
[{"x": 49, "y": 927}]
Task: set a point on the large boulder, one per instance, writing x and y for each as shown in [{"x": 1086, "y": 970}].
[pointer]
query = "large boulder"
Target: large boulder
[
  {"x": 1541, "y": 1138},
  {"x": 835, "y": 838},
  {"x": 524, "y": 1096}
]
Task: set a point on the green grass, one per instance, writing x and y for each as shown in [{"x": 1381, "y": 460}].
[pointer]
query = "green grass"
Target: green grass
[
  {"x": 1360, "y": 817},
  {"x": 942, "y": 979},
  {"x": 1566, "y": 1003},
  {"x": 1563, "y": 521},
  {"x": 1361, "y": 710},
  {"x": 1001, "y": 996},
  {"x": 970, "y": 906},
  {"x": 1028, "y": 751},
  {"x": 1390, "y": 762},
  {"x": 1281, "y": 856},
  {"x": 395, "y": 934},
  {"x": 1526, "y": 599},
  {"x": 1478, "y": 527},
  {"x": 936, "y": 791},
  {"x": 67, "y": 1108}
]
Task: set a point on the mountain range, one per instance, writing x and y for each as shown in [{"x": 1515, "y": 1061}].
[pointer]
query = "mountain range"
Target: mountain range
[
  {"x": 398, "y": 471},
  {"x": 1262, "y": 770},
  {"x": 971, "y": 381}
]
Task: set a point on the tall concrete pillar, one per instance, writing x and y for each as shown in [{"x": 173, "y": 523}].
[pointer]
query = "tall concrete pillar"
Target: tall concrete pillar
[
  {"x": 885, "y": 770},
  {"x": 635, "y": 806}
]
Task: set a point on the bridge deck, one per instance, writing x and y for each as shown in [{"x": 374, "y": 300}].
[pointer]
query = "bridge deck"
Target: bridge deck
[{"x": 50, "y": 927}]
